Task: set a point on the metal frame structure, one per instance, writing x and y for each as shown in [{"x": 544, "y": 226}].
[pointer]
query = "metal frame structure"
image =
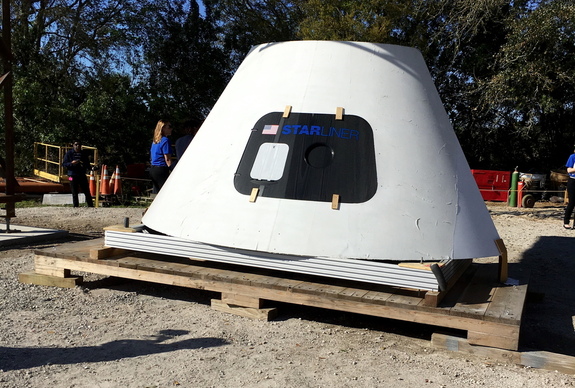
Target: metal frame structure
[
  {"x": 48, "y": 161},
  {"x": 9, "y": 198}
]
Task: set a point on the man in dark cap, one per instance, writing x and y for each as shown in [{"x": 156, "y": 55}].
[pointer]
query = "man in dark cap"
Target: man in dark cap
[{"x": 77, "y": 162}]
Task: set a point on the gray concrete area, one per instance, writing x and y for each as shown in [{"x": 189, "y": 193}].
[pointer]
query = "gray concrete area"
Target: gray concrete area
[{"x": 19, "y": 234}]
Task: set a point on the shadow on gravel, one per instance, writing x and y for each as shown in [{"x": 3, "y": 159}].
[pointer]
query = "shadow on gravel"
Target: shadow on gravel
[
  {"x": 24, "y": 358},
  {"x": 548, "y": 317},
  {"x": 70, "y": 237}
]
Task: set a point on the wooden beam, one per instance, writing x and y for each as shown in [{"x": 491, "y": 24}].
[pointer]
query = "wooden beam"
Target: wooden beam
[
  {"x": 537, "y": 359},
  {"x": 105, "y": 252},
  {"x": 241, "y": 300},
  {"x": 47, "y": 280},
  {"x": 503, "y": 266},
  {"x": 266, "y": 314}
]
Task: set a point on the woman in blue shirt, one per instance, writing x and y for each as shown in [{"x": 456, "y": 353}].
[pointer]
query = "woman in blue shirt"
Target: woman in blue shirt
[
  {"x": 570, "y": 191},
  {"x": 161, "y": 155}
]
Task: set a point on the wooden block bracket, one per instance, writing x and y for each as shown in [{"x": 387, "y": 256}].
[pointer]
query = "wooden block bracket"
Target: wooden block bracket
[
  {"x": 254, "y": 194},
  {"x": 335, "y": 202}
]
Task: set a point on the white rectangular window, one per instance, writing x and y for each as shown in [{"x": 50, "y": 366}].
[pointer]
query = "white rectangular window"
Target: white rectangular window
[{"x": 270, "y": 162}]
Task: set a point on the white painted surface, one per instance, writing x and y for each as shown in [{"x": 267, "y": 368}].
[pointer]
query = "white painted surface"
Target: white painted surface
[{"x": 427, "y": 205}]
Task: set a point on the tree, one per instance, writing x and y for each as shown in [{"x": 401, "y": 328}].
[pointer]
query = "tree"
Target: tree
[
  {"x": 59, "y": 46},
  {"x": 532, "y": 88},
  {"x": 246, "y": 23},
  {"x": 186, "y": 67}
]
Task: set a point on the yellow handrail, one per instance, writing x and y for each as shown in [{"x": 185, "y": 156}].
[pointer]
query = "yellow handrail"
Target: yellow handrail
[{"x": 49, "y": 165}]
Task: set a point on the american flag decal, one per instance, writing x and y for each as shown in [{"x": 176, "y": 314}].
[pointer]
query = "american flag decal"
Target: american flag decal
[{"x": 270, "y": 129}]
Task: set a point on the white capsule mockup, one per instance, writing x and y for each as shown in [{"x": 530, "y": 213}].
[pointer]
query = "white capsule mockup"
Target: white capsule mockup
[{"x": 328, "y": 149}]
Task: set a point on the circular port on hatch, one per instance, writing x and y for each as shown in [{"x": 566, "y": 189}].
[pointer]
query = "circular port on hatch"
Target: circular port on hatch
[{"x": 319, "y": 155}]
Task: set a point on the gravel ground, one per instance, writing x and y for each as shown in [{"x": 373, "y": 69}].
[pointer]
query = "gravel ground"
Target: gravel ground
[{"x": 113, "y": 332}]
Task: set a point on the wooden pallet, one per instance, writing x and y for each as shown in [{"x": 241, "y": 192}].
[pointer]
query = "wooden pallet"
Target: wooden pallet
[{"x": 489, "y": 311}]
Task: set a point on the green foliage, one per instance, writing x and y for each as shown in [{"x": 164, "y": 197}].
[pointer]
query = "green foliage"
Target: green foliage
[
  {"x": 186, "y": 67},
  {"x": 107, "y": 70},
  {"x": 353, "y": 20},
  {"x": 244, "y": 23}
]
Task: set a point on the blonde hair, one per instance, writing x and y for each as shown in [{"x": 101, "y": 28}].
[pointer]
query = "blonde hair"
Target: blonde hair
[{"x": 159, "y": 131}]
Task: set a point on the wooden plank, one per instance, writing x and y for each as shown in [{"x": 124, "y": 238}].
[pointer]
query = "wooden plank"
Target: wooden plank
[
  {"x": 287, "y": 111},
  {"x": 539, "y": 359},
  {"x": 477, "y": 295},
  {"x": 549, "y": 361},
  {"x": 406, "y": 301},
  {"x": 494, "y": 335},
  {"x": 425, "y": 266},
  {"x": 352, "y": 293},
  {"x": 508, "y": 302},
  {"x": 120, "y": 228},
  {"x": 265, "y": 314},
  {"x": 457, "y": 344},
  {"x": 106, "y": 252},
  {"x": 376, "y": 297},
  {"x": 241, "y": 300},
  {"x": 47, "y": 280},
  {"x": 45, "y": 266},
  {"x": 339, "y": 113},
  {"x": 253, "y": 287}
]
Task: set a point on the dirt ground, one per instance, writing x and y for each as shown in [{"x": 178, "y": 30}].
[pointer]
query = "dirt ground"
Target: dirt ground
[{"x": 118, "y": 333}]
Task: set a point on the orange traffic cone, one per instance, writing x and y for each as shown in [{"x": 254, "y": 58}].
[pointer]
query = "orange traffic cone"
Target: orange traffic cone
[
  {"x": 117, "y": 182},
  {"x": 92, "y": 184},
  {"x": 112, "y": 180},
  {"x": 105, "y": 184}
]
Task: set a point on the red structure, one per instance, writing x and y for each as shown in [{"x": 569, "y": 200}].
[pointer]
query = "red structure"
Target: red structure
[{"x": 493, "y": 185}]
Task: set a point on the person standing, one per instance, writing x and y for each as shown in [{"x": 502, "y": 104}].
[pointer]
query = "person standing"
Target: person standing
[
  {"x": 190, "y": 129},
  {"x": 570, "y": 191},
  {"x": 160, "y": 155},
  {"x": 77, "y": 162}
]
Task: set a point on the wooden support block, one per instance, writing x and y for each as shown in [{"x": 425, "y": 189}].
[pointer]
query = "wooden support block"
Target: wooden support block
[
  {"x": 542, "y": 360},
  {"x": 549, "y": 361},
  {"x": 47, "y": 280},
  {"x": 425, "y": 266},
  {"x": 241, "y": 300},
  {"x": 339, "y": 113},
  {"x": 287, "y": 111},
  {"x": 247, "y": 312},
  {"x": 432, "y": 298},
  {"x": 503, "y": 267},
  {"x": 51, "y": 271},
  {"x": 457, "y": 344},
  {"x": 335, "y": 202},
  {"x": 494, "y": 335},
  {"x": 105, "y": 252},
  {"x": 254, "y": 194},
  {"x": 120, "y": 228}
]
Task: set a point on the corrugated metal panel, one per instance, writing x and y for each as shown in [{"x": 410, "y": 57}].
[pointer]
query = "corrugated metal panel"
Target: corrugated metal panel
[{"x": 357, "y": 270}]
